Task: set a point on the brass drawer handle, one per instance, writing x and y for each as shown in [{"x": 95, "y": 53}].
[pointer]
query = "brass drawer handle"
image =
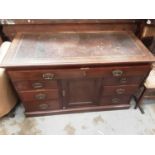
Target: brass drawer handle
[
  {"x": 120, "y": 91},
  {"x": 40, "y": 96},
  {"x": 84, "y": 71},
  {"x": 117, "y": 73},
  {"x": 43, "y": 106},
  {"x": 115, "y": 100},
  {"x": 37, "y": 85},
  {"x": 123, "y": 80},
  {"x": 85, "y": 68},
  {"x": 48, "y": 76}
]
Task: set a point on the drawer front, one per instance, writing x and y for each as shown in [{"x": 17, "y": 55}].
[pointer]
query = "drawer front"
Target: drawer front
[
  {"x": 46, "y": 75},
  {"x": 117, "y": 72},
  {"x": 39, "y": 95},
  {"x": 35, "y": 84},
  {"x": 51, "y": 74},
  {"x": 119, "y": 90},
  {"x": 128, "y": 80},
  {"x": 113, "y": 100},
  {"x": 42, "y": 105}
]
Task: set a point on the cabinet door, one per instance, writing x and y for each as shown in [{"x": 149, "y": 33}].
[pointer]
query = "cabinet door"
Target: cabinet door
[{"x": 81, "y": 92}]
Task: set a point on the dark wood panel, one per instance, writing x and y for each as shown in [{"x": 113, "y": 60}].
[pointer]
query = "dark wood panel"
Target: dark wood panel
[
  {"x": 77, "y": 110},
  {"x": 80, "y": 92}
]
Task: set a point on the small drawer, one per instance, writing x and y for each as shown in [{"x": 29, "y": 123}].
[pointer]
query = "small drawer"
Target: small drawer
[
  {"x": 42, "y": 105},
  {"x": 129, "y": 80},
  {"x": 119, "y": 90},
  {"x": 112, "y": 100},
  {"x": 35, "y": 84},
  {"x": 38, "y": 95}
]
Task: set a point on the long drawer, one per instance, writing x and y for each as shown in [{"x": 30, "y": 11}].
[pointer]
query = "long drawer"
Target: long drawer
[
  {"x": 39, "y": 95},
  {"x": 50, "y": 74}
]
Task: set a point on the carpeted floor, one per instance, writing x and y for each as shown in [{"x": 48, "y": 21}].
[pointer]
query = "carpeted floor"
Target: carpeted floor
[{"x": 118, "y": 122}]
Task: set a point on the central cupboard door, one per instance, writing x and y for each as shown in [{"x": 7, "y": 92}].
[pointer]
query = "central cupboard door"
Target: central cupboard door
[{"x": 81, "y": 92}]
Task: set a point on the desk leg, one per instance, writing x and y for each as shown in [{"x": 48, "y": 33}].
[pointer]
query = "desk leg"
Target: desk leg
[{"x": 139, "y": 101}]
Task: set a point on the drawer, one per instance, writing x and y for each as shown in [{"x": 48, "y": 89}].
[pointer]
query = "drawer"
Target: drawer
[
  {"x": 35, "y": 84},
  {"x": 46, "y": 75},
  {"x": 128, "y": 80},
  {"x": 117, "y": 72},
  {"x": 39, "y": 95},
  {"x": 112, "y": 100},
  {"x": 51, "y": 74},
  {"x": 119, "y": 90},
  {"x": 42, "y": 105}
]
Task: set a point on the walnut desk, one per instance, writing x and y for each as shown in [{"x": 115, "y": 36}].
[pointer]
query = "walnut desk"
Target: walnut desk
[{"x": 66, "y": 72}]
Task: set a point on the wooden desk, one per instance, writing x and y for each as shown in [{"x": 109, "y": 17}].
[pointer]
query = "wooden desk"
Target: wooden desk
[{"x": 76, "y": 71}]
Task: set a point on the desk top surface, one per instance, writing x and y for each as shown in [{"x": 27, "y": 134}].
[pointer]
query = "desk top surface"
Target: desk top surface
[{"x": 76, "y": 48}]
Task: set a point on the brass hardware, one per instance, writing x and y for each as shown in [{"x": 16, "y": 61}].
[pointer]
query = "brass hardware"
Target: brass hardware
[
  {"x": 37, "y": 85},
  {"x": 117, "y": 73},
  {"x": 85, "y": 68},
  {"x": 48, "y": 76},
  {"x": 123, "y": 80},
  {"x": 115, "y": 100},
  {"x": 120, "y": 91},
  {"x": 43, "y": 106},
  {"x": 40, "y": 96}
]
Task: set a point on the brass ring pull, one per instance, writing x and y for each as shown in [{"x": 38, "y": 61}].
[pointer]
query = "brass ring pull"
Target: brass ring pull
[
  {"x": 43, "y": 106},
  {"x": 40, "y": 96},
  {"x": 115, "y": 100},
  {"x": 120, "y": 91},
  {"x": 117, "y": 73},
  {"x": 48, "y": 76},
  {"x": 37, "y": 85}
]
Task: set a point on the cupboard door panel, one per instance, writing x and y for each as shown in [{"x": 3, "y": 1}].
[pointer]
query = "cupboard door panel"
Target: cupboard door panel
[{"x": 81, "y": 92}]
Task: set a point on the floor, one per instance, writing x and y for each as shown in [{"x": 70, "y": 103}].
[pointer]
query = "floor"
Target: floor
[{"x": 117, "y": 122}]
